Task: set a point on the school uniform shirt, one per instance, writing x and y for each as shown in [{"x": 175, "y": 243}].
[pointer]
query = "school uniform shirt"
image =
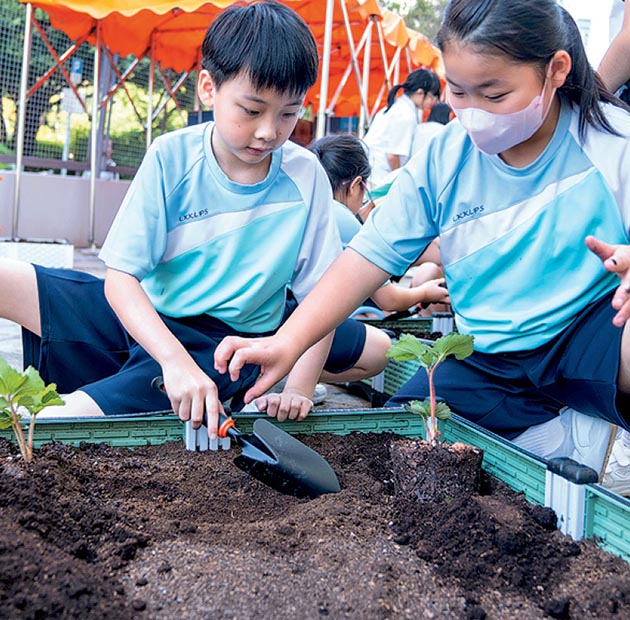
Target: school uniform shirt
[
  {"x": 511, "y": 239},
  {"x": 424, "y": 132},
  {"x": 347, "y": 223},
  {"x": 201, "y": 243},
  {"x": 391, "y": 132}
]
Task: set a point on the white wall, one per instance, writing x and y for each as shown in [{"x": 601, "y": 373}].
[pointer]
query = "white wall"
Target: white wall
[{"x": 57, "y": 207}]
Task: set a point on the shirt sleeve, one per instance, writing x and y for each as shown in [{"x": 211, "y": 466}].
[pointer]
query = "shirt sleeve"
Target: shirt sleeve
[
  {"x": 137, "y": 238},
  {"x": 401, "y": 123},
  {"x": 321, "y": 243},
  {"x": 402, "y": 226}
]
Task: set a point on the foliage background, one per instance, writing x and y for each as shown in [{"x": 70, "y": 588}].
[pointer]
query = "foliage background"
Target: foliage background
[{"x": 424, "y": 16}]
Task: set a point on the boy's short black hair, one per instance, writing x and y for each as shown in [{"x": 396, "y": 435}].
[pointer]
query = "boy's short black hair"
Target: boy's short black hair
[{"x": 267, "y": 41}]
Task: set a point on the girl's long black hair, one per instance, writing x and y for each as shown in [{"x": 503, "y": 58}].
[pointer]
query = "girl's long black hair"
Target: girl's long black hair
[
  {"x": 344, "y": 158},
  {"x": 420, "y": 78},
  {"x": 531, "y": 31}
]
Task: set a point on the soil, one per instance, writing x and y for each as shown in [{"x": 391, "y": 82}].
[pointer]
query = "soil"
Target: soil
[{"x": 161, "y": 533}]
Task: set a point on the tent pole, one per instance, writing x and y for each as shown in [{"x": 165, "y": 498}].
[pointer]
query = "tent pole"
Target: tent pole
[
  {"x": 353, "y": 56},
  {"x": 95, "y": 126},
  {"x": 323, "y": 89},
  {"x": 150, "y": 94},
  {"x": 364, "y": 118},
  {"x": 19, "y": 157}
]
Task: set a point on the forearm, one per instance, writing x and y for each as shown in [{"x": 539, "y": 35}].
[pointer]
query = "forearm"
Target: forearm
[
  {"x": 393, "y": 161},
  {"x": 392, "y": 298},
  {"x": 614, "y": 68},
  {"x": 307, "y": 370},
  {"x": 135, "y": 311}
]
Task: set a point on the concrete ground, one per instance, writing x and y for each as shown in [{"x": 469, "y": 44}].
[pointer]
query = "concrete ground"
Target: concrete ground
[{"x": 87, "y": 260}]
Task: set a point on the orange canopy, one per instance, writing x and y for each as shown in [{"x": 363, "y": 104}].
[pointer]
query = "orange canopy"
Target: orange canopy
[{"x": 175, "y": 30}]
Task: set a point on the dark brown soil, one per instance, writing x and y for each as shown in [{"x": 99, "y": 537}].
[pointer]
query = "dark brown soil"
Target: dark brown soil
[{"x": 161, "y": 533}]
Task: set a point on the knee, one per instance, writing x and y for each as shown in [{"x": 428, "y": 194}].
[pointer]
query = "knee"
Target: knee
[{"x": 374, "y": 356}]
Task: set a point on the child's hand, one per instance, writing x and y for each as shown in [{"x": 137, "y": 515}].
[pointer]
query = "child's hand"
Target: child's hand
[
  {"x": 274, "y": 356},
  {"x": 616, "y": 259},
  {"x": 289, "y": 405},
  {"x": 365, "y": 210},
  {"x": 433, "y": 292},
  {"x": 192, "y": 392}
]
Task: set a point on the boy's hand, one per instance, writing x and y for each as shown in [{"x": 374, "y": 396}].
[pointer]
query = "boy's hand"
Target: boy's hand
[
  {"x": 433, "y": 292},
  {"x": 192, "y": 392},
  {"x": 289, "y": 405},
  {"x": 616, "y": 259},
  {"x": 272, "y": 354}
]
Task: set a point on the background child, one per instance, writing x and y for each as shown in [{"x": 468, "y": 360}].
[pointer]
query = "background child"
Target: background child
[
  {"x": 532, "y": 177},
  {"x": 220, "y": 221},
  {"x": 390, "y": 137},
  {"x": 346, "y": 164}
]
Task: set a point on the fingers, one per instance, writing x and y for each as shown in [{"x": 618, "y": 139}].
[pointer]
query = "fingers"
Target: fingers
[
  {"x": 225, "y": 351},
  {"x": 621, "y": 303},
  {"x": 264, "y": 383},
  {"x": 616, "y": 258},
  {"x": 213, "y": 406},
  {"x": 288, "y": 406}
]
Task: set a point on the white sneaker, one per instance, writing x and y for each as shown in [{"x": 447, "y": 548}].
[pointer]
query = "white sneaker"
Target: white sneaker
[
  {"x": 617, "y": 475},
  {"x": 320, "y": 394},
  {"x": 581, "y": 437},
  {"x": 250, "y": 408}
]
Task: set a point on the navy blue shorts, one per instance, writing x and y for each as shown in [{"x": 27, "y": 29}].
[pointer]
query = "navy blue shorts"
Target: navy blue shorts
[
  {"x": 83, "y": 345},
  {"x": 346, "y": 347},
  {"x": 509, "y": 392}
]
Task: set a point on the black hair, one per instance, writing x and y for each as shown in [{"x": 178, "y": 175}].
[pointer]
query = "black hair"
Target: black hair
[
  {"x": 344, "y": 158},
  {"x": 420, "y": 78},
  {"x": 440, "y": 113},
  {"x": 531, "y": 32},
  {"x": 268, "y": 41}
]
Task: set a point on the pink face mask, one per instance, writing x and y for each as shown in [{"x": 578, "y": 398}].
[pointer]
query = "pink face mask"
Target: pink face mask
[{"x": 494, "y": 133}]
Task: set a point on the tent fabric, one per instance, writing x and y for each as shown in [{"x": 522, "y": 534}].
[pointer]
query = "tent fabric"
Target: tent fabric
[{"x": 175, "y": 32}]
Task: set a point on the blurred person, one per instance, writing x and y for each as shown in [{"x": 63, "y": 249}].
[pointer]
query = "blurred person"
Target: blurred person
[
  {"x": 438, "y": 117},
  {"x": 390, "y": 136},
  {"x": 614, "y": 69}
]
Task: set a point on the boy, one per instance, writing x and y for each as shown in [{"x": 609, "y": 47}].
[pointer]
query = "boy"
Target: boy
[{"x": 220, "y": 220}]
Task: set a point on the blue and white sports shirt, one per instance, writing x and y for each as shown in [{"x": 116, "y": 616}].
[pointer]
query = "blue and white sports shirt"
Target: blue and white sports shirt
[
  {"x": 201, "y": 243},
  {"x": 511, "y": 239}
]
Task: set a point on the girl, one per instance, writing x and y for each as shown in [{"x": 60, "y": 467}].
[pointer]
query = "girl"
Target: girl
[
  {"x": 532, "y": 177},
  {"x": 390, "y": 136}
]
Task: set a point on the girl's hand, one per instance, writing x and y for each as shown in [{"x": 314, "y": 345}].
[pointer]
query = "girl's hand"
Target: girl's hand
[
  {"x": 274, "y": 356},
  {"x": 192, "y": 392},
  {"x": 433, "y": 291},
  {"x": 616, "y": 259},
  {"x": 289, "y": 405},
  {"x": 365, "y": 210}
]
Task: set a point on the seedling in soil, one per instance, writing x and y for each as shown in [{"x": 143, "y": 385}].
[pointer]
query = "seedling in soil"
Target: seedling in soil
[
  {"x": 409, "y": 348},
  {"x": 23, "y": 390}
]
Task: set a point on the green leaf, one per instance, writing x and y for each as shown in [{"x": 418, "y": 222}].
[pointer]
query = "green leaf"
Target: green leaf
[
  {"x": 407, "y": 348},
  {"x": 442, "y": 411},
  {"x": 45, "y": 398},
  {"x": 10, "y": 379},
  {"x": 6, "y": 419},
  {"x": 459, "y": 345},
  {"x": 419, "y": 407}
]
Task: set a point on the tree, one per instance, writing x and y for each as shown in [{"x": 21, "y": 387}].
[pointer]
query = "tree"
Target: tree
[
  {"x": 12, "y": 19},
  {"x": 425, "y": 16}
]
